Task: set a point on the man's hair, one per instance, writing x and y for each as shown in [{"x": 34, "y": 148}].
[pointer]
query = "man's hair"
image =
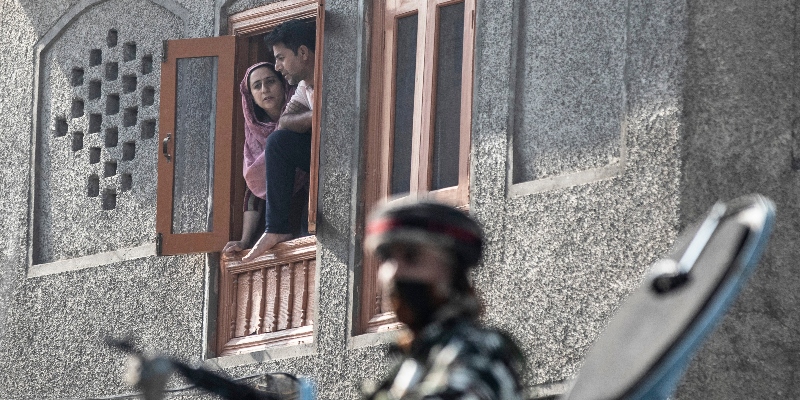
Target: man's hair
[{"x": 293, "y": 34}]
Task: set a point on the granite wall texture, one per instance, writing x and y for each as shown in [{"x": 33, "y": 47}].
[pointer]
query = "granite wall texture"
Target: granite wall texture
[
  {"x": 575, "y": 52},
  {"x": 676, "y": 103},
  {"x": 50, "y": 337},
  {"x": 569, "y": 255}
]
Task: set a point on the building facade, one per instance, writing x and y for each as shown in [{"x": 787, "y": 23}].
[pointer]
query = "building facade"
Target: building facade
[{"x": 582, "y": 135}]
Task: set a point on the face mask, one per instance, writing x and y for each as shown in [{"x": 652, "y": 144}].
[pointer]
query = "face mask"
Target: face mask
[{"x": 418, "y": 300}]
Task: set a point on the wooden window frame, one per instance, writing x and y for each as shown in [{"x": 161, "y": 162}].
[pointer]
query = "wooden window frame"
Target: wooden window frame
[
  {"x": 256, "y": 21},
  {"x": 240, "y": 305},
  {"x": 228, "y": 185},
  {"x": 254, "y": 313},
  {"x": 378, "y": 155}
]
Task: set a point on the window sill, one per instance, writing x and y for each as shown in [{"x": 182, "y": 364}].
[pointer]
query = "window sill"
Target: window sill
[
  {"x": 260, "y": 356},
  {"x": 92, "y": 261},
  {"x": 384, "y": 322},
  {"x": 286, "y": 337},
  {"x": 374, "y": 339}
]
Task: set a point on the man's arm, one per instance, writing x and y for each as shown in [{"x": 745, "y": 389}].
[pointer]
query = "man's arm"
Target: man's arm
[{"x": 296, "y": 117}]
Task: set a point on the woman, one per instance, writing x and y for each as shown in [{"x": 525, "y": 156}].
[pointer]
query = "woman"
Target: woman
[{"x": 264, "y": 96}]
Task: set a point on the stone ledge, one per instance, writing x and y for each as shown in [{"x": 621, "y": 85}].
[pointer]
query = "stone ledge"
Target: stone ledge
[{"x": 92, "y": 261}]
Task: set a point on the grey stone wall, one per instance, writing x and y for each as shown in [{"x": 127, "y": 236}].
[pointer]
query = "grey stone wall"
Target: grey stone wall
[
  {"x": 561, "y": 259},
  {"x": 558, "y": 261},
  {"x": 741, "y": 136},
  {"x": 570, "y": 87},
  {"x": 52, "y": 346},
  {"x": 629, "y": 119},
  {"x": 17, "y": 36},
  {"x": 51, "y": 325}
]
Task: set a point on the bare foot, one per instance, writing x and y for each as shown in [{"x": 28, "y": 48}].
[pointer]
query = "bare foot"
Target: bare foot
[{"x": 266, "y": 242}]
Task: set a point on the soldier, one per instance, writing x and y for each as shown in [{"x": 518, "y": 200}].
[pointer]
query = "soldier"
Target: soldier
[{"x": 426, "y": 250}]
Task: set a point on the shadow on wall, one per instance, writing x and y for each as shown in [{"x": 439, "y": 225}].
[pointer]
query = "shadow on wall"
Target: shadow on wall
[{"x": 741, "y": 137}]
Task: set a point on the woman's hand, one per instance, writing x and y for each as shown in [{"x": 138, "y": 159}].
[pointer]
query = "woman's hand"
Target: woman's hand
[
  {"x": 233, "y": 247},
  {"x": 250, "y": 220}
]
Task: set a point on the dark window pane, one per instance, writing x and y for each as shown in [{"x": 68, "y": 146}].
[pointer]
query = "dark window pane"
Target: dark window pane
[
  {"x": 404, "y": 103},
  {"x": 448, "y": 97},
  {"x": 194, "y": 144}
]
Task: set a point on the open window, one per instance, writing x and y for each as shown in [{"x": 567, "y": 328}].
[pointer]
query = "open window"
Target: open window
[
  {"x": 420, "y": 115},
  {"x": 268, "y": 301}
]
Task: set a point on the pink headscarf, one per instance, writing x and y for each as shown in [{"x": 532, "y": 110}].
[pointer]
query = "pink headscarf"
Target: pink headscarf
[{"x": 256, "y": 132}]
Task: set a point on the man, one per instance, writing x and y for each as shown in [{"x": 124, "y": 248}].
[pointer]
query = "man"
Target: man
[
  {"x": 289, "y": 146},
  {"x": 293, "y": 46},
  {"x": 426, "y": 250}
]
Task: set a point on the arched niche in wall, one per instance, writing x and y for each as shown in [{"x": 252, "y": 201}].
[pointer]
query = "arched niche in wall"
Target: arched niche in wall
[{"x": 96, "y": 102}]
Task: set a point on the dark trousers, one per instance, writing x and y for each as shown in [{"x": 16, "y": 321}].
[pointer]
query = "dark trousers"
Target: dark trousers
[{"x": 285, "y": 151}]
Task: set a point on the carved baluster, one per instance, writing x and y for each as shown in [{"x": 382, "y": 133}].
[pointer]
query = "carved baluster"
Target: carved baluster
[
  {"x": 304, "y": 298},
  {"x": 299, "y": 289},
  {"x": 379, "y": 307},
  {"x": 243, "y": 304},
  {"x": 271, "y": 297},
  {"x": 233, "y": 306},
  {"x": 263, "y": 303},
  {"x": 284, "y": 295},
  {"x": 256, "y": 300},
  {"x": 249, "y": 308},
  {"x": 310, "y": 305}
]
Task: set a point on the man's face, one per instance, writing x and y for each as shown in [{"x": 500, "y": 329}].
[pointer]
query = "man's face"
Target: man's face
[
  {"x": 416, "y": 266},
  {"x": 295, "y": 67}
]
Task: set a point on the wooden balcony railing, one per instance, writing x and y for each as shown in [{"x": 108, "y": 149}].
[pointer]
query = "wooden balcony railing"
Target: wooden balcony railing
[{"x": 269, "y": 301}]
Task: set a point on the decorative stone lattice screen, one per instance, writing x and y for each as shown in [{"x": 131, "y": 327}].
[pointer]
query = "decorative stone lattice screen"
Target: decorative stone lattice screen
[
  {"x": 108, "y": 134},
  {"x": 95, "y": 175}
]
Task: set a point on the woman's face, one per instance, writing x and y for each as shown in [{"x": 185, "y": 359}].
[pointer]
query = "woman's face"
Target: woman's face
[{"x": 267, "y": 91}]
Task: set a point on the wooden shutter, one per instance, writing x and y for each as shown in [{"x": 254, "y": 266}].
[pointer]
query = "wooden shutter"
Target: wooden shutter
[{"x": 196, "y": 134}]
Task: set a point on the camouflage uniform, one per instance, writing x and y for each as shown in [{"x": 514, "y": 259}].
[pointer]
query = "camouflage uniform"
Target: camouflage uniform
[{"x": 455, "y": 358}]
